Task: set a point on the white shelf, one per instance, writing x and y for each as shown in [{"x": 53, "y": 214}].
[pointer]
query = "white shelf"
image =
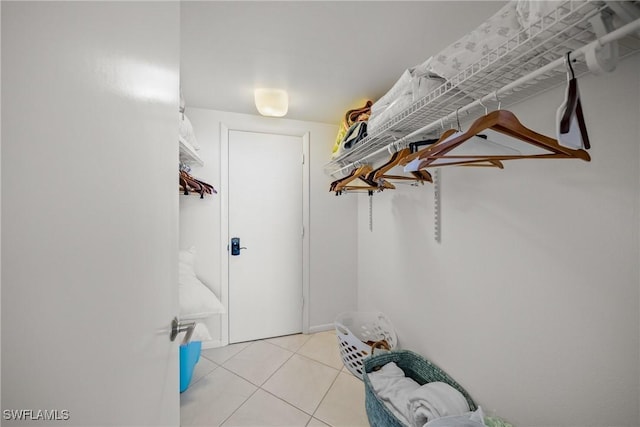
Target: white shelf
[
  {"x": 188, "y": 154},
  {"x": 545, "y": 42}
]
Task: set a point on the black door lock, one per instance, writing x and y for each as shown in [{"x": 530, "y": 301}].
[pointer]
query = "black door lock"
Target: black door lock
[{"x": 235, "y": 246}]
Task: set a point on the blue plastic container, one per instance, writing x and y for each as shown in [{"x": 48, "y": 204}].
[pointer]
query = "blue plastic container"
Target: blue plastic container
[{"x": 189, "y": 356}]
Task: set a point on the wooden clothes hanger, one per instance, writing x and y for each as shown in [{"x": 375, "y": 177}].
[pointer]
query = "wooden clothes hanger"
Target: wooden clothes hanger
[
  {"x": 504, "y": 122},
  {"x": 383, "y": 185},
  {"x": 426, "y": 152},
  {"x": 381, "y": 172},
  {"x": 189, "y": 183},
  {"x": 409, "y": 158},
  {"x": 338, "y": 184},
  {"x": 359, "y": 173}
]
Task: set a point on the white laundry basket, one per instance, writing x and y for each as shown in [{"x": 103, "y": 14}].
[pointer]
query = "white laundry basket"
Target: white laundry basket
[{"x": 357, "y": 332}]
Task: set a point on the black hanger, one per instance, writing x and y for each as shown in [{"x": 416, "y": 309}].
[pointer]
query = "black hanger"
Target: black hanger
[
  {"x": 573, "y": 106},
  {"x": 414, "y": 145}
]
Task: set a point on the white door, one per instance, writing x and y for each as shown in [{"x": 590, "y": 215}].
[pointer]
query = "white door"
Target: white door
[
  {"x": 265, "y": 213},
  {"x": 89, "y": 213}
]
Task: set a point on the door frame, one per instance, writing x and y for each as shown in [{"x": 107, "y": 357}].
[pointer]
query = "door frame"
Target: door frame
[{"x": 224, "y": 219}]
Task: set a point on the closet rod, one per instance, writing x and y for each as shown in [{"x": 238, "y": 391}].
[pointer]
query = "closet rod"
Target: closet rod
[{"x": 401, "y": 143}]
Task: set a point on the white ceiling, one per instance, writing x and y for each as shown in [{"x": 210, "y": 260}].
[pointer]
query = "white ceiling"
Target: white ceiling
[{"x": 329, "y": 56}]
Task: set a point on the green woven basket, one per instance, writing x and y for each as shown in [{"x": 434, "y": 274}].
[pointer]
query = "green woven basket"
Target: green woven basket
[{"x": 414, "y": 366}]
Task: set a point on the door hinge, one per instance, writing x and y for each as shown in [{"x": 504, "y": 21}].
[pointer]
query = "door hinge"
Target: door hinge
[
  {"x": 303, "y": 158},
  {"x": 302, "y": 234}
]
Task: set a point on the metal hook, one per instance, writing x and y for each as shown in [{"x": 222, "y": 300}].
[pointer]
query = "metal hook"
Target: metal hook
[
  {"x": 458, "y": 120},
  {"x": 442, "y": 123},
  {"x": 498, "y": 99},
  {"x": 567, "y": 62},
  {"x": 486, "y": 110}
]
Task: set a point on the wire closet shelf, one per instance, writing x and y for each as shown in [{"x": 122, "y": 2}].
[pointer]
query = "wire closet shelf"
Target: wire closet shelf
[{"x": 533, "y": 59}]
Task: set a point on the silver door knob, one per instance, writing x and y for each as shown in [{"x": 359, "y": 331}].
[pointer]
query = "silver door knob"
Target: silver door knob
[{"x": 177, "y": 327}]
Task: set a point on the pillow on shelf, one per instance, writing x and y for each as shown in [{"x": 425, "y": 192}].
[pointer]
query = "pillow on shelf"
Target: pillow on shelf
[
  {"x": 187, "y": 262},
  {"x": 185, "y": 129},
  {"x": 200, "y": 333},
  {"x": 494, "y": 32},
  {"x": 196, "y": 299}
]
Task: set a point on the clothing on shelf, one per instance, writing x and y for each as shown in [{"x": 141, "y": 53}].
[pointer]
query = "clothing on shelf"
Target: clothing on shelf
[{"x": 351, "y": 118}]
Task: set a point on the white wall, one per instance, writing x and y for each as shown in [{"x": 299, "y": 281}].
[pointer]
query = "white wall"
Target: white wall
[
  {"x": 0, "y": 206},
  {"x": 531, "y": 301},
  {"x": 90, "y": 211},
  {"x": 332, "y": 219}
]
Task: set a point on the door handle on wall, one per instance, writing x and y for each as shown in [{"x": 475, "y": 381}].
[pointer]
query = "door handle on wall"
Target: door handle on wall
[{"x": 235, "y": 246}]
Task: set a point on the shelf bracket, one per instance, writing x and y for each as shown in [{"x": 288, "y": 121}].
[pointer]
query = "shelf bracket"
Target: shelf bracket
[
  {"x": 370, "y": 210},
  {"x": 625, "y": 11},
  {"x": 437, "y": 187},
  {"x": 602, "y": 58}
]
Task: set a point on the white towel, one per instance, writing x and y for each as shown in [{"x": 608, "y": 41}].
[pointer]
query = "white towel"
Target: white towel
[
  {"x": 393, "y": 388},
  {"x": 435, "y": 400},
  {"x": 470, "y": 419}
]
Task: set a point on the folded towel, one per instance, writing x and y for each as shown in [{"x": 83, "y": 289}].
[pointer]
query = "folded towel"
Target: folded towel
[
  {"x": 470, "y": 419},
  {"x": 393, "y": 388},
  {"x": 435, "y": 400}
]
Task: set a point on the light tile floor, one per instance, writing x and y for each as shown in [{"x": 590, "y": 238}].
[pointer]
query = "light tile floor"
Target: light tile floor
[{"x": 297, "y": 380}]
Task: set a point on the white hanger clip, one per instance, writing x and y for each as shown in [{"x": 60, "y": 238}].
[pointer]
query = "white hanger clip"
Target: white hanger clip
[{"x": 486, "y": 110}]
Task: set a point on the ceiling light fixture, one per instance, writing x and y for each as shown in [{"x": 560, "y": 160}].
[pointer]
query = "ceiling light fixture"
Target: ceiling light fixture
[{"x": 272, "y": 102}]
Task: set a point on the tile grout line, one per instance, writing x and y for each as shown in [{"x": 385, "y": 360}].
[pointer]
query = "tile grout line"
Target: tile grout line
[
  {"x": 278, "y": 368},
  {"x": 320, "y": 362},
  {"x": 285, "y": 348},
  {"x": 292, "y": 352},
  {"x": 323, "y": 396},
  {"x": 288, "y": 403},
  {"x": 244, "y": 401},
  {"x": 258, "y": 387},
  {"x": 295, "y": 353},
  {"x": 326, "y": 393},
  {"x": 293, "y": 405},
  {"x": 322, "y": 400},
  {"x": 204, "y": 376},
  {"x": 225, "y": 360}
]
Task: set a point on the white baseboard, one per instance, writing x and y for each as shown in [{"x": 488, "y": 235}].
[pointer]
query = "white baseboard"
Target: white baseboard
[
  {"x": 321, "y": 328},
  {"x": 312, "y": 330}
]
